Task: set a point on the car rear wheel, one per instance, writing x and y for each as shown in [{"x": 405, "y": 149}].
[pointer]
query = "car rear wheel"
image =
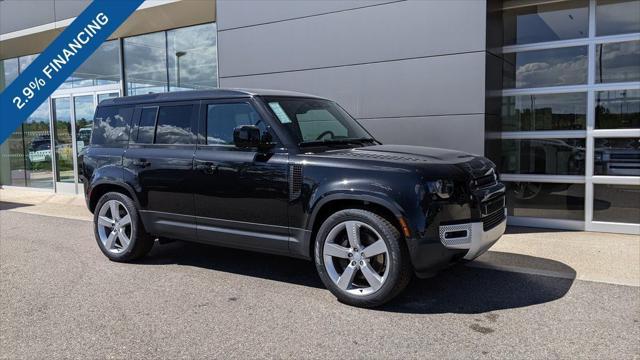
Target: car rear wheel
[
  {"x": 361, "y": 258},
  {"x": 118, "y": 229}
]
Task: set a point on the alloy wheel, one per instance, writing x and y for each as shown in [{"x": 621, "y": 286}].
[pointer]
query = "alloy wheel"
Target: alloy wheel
[
  {"x": 114, "y": 226},
  {"x": 356, "y": 258}
]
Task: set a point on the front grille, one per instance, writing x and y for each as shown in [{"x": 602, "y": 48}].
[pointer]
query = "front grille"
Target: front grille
[
  {"x": 492, "y": 220},
  {"x": 495, "y": 204},
  {"x": 484, "y": 181}
]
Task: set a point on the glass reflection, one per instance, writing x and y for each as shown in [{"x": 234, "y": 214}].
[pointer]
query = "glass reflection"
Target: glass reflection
[
  {"x": 551, "y": 67},
  {"x": 546, "y": 22},
  {"x": 174, "y": 125},
  {"x": 617, "y": 156},
  {"x": 617, "y": 17},
  {"x": 83, "y": 110},
  {"x": 544, "y": 112},
  {"x": 37, "y": 139},
  {"x": 26, "y": 60},
  {"x": 9, "y": 72},
  {"x": 12, "y": 160},
  {"x": 618, "y": 62},
  {"x": 192, "y": 57},
  {"x": 616, "y": 203},
  {"x": 546, "y": 200},
  {"x": 145, "y": 63},
  {"x": 64, "y": 147},
  {"x": 543, "y": 156},
  {"x": 101, "y": 68},
  {"x": 618, "y": 109},
  {"x": 107, "y": 96},
  {"x": 146, "y": 125}
]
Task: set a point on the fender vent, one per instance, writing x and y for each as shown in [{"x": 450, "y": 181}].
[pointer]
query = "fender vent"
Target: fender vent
[{"x": 295, "y": 181}]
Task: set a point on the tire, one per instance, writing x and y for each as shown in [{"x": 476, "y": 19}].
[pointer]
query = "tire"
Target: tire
[
  {"x": 140, "y": 242},
  {"x": 392, "y": 267}
]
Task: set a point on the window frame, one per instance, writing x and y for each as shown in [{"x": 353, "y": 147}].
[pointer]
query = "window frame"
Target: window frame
[
  {"x": 157, "y": 105},
  {"x": 589, "y": 134},
  {"x": 251, "y": 101}
]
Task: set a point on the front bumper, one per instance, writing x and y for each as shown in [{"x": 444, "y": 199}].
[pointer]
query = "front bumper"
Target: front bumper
[{"x": 471, "y": 236}]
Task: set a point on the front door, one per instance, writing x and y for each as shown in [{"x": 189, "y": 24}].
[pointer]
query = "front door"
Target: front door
[{"x": 241, "y": 195}]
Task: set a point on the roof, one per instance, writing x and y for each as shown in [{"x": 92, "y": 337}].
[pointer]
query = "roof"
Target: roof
[{"x": 201, "y": 95}]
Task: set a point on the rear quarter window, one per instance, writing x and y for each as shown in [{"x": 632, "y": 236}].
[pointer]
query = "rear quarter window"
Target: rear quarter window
[{"x": 111, "y": 126}]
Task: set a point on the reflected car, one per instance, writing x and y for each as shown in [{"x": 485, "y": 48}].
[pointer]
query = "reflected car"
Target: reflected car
[{"x": 617, "y": 159}]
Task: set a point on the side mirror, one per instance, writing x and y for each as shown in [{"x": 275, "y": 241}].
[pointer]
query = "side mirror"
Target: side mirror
[{"x": 246, "y": 136}]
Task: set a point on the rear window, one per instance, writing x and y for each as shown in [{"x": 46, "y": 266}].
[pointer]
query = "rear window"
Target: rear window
[
  {"x": 146, "y": 125},
  {"x": 111, "y": 125},
  {"x": 174, "y": 125}
]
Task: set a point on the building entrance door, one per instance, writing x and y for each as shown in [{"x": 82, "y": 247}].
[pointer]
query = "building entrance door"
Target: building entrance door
[{"x": 72, "y": 120}]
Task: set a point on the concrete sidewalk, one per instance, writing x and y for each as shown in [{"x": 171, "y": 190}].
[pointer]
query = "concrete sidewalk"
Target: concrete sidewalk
[{"x": 600, "y": 257}]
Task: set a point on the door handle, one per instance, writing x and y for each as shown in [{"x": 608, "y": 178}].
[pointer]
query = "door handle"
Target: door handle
[
  {"x": 141, "y": 163},
  {"x": 208, "y": 168}
]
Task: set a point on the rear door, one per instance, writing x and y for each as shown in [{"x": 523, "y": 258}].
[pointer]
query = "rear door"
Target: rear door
[{"x": 159, "y": 165}]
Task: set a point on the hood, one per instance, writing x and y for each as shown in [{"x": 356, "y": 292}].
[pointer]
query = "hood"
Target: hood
[
  {"x": 415, "y": 156},
  {"x": 401, "y": 154},
  {"x": 414, "y": 153}
]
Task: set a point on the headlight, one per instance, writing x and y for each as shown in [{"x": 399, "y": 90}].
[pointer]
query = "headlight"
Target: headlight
[{"x": 442, "y": 188}]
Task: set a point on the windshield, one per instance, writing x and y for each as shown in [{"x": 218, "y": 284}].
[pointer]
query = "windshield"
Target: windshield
[{"x": 316, "y": 121}]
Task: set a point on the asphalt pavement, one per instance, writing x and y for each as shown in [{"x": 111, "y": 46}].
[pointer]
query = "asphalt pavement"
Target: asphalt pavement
[{"x": 61, "y": 298}]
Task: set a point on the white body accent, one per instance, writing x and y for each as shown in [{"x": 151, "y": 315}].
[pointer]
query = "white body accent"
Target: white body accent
[{"x": 477, "y": 240}]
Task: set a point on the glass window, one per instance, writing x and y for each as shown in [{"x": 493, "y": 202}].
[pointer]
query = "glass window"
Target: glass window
[
  {"x": 546, "y": 22},
  {"x": 9, "y": 72},
  {"x": 617, "y": 17},
  {"x": 84, "y": 109},
  {"x": 543, "y": 156},
  {"x": 192, "y": 57},
  {"x": 617, "y": 157},
  {"x": 618, "y": 62},
  {"x": 107, "y": 96},
  {"x": 101, "y": 68},
  {"x": 546, "y": 200},
  {"x": 145, "y": 63},
  {"x": 616, "y": 203},
  {"x": 551, "y": 67},
  {"x": 37, "y": 140},
  {"x": 314, "y": 120},
  {"x": 12, "y": 160},
  {"x": 64, "y": 146},
  {"x": 26, "y": 60},
  {"x": 618, "y": 109},
  {"x": 174, "y": 125},
  {"x": 544, "y": 112},
  {"x": 147, "y": 125},
  {"x": 111, "y": 125},
  {"x": 222, "y": 119}
]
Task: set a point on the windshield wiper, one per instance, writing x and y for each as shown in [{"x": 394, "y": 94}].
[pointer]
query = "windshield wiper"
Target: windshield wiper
[{"x": 329, "y": 142}]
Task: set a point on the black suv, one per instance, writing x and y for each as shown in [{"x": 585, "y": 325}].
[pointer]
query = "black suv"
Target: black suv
[{"x": 289, "y": 174}]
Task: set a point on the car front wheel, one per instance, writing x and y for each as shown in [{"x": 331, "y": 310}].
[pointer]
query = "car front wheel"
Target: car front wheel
[{"x": 361, "y": 258}]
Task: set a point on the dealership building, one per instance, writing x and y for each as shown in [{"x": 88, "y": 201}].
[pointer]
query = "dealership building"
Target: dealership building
[{"x": 549, "y": 90}]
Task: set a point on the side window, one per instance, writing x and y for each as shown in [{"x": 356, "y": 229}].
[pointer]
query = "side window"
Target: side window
[
  {"x": 223, "y": 118},
  {"x": 146, "y": 125},
  {"x": 174, "y": 125},
  {"x": 111, "y": 125}
]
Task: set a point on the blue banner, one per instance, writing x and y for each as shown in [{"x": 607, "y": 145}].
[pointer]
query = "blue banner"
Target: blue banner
[{"x": 60, "y": 59}]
